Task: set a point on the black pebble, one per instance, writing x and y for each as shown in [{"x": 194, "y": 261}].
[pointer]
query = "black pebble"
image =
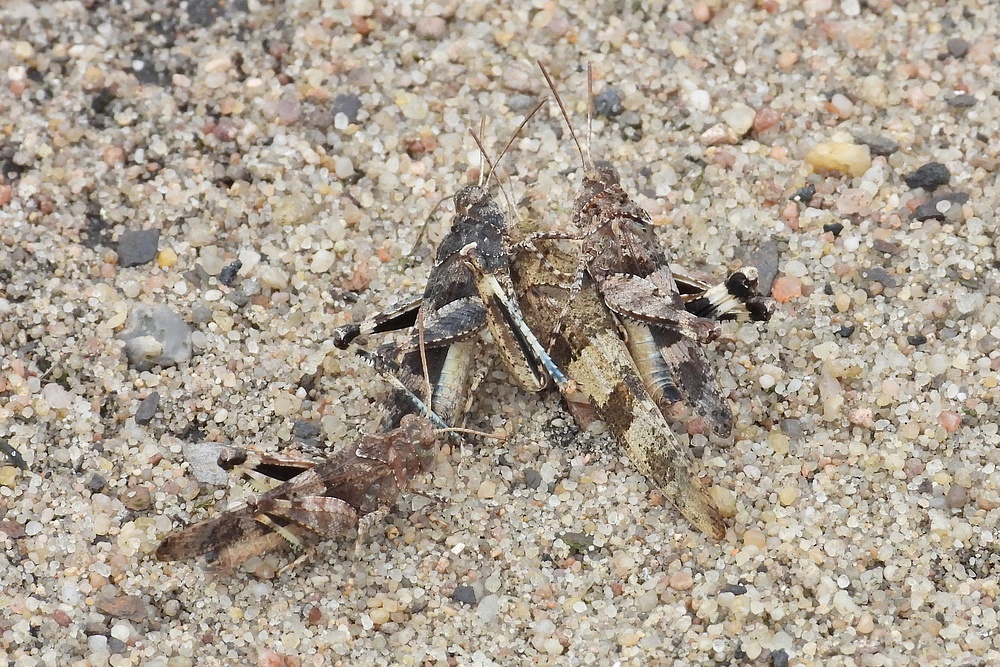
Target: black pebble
[
  {"x": 228, "y": 273},
  {"x": 804, "y": 194},
  {"x": 138, "y": 246},
  {"x": 348, "y": 104},
  {"x": 735, "y": 589},
  {"x": 835, "y": 227},
  {"x": 465, "y": 595},
  {"x": 929, "y": 176},
  {"x": 144, "y": 413},
  {"x": 916, "y": 339},
  {"x": 608, "y": 103},
  {"x": 779, "y": 658},
  {"x": 846, "y": 331}
]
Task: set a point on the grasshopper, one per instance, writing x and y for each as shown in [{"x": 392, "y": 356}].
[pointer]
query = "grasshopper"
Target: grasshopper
[
  {"x": 451, "y": 311},
  {"x": 319, "y": 501},
  {"x": 663, "y": 328}
]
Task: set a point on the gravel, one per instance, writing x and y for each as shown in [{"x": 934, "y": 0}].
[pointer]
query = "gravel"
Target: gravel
[{"x": 865, "y": 534}]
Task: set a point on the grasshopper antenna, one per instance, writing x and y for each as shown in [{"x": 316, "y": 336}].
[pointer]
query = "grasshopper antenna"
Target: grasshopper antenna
[
  {"x": 588, "y": 162},
  {"x": 423, "y": 229}
]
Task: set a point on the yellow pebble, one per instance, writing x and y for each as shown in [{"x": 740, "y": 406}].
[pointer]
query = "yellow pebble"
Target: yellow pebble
[
  {"x": 166, "y": 258},
  {"x": 8, "y": 475},
  {"x": 754, "y": 538},
  {"x": 788, "y": 495}
]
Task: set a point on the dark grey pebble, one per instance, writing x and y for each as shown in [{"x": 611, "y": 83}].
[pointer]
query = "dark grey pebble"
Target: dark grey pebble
[
  {"x": 465, "y": 595},
  {"x": 228, "y": 273},
  {"x": 929, "y": 176},
  {"x": 735, "y": 589},
  {"x": 929, "y": 210},
  {"x": 804, "y": 194},
  {"x": 962, "y": 101},
  {"x": 792, "y": 428},
  {"x": 608, "y": 103},
  {"x": 878, "y": 144},
  {"x": 532, "y": 478},
  {"x": 96, "y": 483},
  {"x": 916, "y": 339},
  {"x": 155, "y": 336},
  {"x": 779, "y": 658},
  {"x": 138, "y": 246},
  {"x": 116, "y": 645},
  {"x": 834, "y": 227},
  {"x": 958, "y": 47},
  {"x": 144, "y": 413},
  {"x": 886, "y": 246},
  {"x": 520, "y": 102},
  {"x": 877, "y": 274},
  {"x": 765, "y": 260},
  {"x": 348, "y": 104}
]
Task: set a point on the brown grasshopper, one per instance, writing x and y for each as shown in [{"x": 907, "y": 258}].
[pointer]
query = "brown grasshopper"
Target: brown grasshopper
[
  {"x": 664, "y": 329},
  {"x": 319, "y": 501}
]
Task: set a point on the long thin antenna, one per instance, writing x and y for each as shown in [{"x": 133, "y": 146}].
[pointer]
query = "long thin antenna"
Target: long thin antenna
[
  {"x": 484, "y": 161},
  {"x": 590, "y": 109},
  {"x": 585, "y": 156},
  {"x": 510, "y": 142}
]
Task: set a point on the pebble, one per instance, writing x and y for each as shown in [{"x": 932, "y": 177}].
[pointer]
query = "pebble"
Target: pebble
[
  {"x": 137, "y": 247},
  {"x": 765, "y": 119},
  {"x": 431, "y": 27},
  {"x": 740, "y": 118},
  {"x": 464, "y": 594},
  {"x": 878, "y": 144},
  {"x": 166, "y": 258},
  {"x": 488, "y": 489},
  {"x": 929, "y": 176},
  {"x": 608, "y": 103},
  {"x": 754, "y": 538},
  {"x": 147, "y": 409},
  {"x": 958, "y": 47},
  {"x": 348, "y": 104},
  {"x": 839, "y": 156},
  {"x": 681, "y": 580},
  {"x": 786, "y": 288},
  {"x": 155, "y": 336},
  {"x": 228, "y": 273},
  {"x": 949, "y": 420},
  {"x": 943, "y": 207},
  {"x": 957, "y": 497},
  {"x": 719, "y": 134}
]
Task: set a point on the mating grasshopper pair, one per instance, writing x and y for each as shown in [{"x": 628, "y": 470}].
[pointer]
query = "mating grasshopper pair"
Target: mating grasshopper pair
[{"x": 627, "y": 334}]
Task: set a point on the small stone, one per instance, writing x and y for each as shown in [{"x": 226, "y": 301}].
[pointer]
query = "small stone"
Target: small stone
[
  {"x": 725, "y": 501},
  {"x": 322, "y": 261},
  {"x": 958, "y": 47},
  {"x": 719, "y": 134},
  {"x": 96, "y": 483},
  {"x": 957, "y": 497},
  {"x": 865, "y": 624},
  {"x": 735, "y": 589},
  {"x": 379, "y": 615},
  {"x": 166, "y": 258},
  {"x": 949, "y": 420},
  {"x": 681, "y": 581},
  {"x": 465, "y": 595},
  {"x": 916, "y": 340},
  {"x": 786, "y": 288},
  {"x": 520, "y": 102},
  {"x": 348, "y": 104},
  {"x": 228, "y": 273},
  {"x": 137, "y": 246},
  {"x": 839, "y": 156},
  {"x": 942, "y": 207},
  {"x": 532, "y": 479},
  {"x": 488, "y": 608},
  {"x": 740, "y": 118},
  {"x": 765, "y": 119},
  {"x": 754, "y": 538},
  {"x": 834, "y": 228},
  {"x": 156, "y": 336},
  {"x": 147, "y": 408},
  {"x": 129, "y": 607},
  {"x": 629, "y": 638},
  {"x": 962, "y": 101},
  {"x": 138, "y": 499},
  {"x": 488, "y": 489},
  {"x": 929, "y": 176},
  {"x": 804, "y": 194},
  {"x": 788, "y": 495},
  {"x": 846, "y": 330},
  {"x": 608, "y": 103},
  {"x": 431, "y": 27},
  {"x": 779, "y": 658},
  {"x": 878, "y": 144}
]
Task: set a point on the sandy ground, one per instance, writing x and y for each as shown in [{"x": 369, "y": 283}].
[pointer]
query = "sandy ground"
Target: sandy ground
[{"x": 312, "y": 140}]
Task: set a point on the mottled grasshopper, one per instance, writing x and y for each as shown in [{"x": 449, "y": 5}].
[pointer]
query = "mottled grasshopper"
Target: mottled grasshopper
[
  {"x": 664, "y": 329},
  {"x": 319, "y": 501}
]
